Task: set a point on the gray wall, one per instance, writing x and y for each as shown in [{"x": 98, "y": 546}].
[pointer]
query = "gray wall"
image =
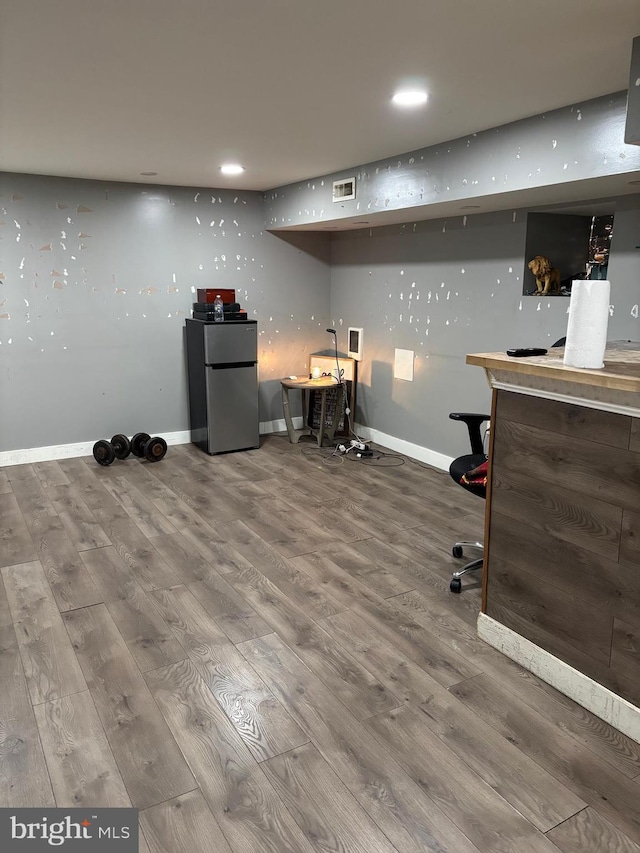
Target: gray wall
[
  {"x": 632, "y": 127},
  {"x": 445, "y": 289},
  {"x": 575, "y": 144},
  {"x": 96, "y": 280},
  {"x": 624, "y": 271}
]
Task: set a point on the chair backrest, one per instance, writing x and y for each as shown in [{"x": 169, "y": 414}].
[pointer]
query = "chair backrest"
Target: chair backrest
[
  {"x": 473, "y": 422},
  {"x": 465, "y": 463}
]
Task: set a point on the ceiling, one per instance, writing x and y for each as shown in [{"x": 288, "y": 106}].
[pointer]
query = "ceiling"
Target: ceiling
[{"x": 292, "y": 89}]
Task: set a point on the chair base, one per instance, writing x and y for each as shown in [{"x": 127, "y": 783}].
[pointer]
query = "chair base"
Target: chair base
[
  {"x": 458, "y": 548},
  {"x": 455, "y": 584}
]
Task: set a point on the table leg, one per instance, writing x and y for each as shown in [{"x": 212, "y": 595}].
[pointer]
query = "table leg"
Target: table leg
[
  {"x": 305, "y": 409},
  {"x": 323, "y": 412},
  {"x": 293, "y": 438}
]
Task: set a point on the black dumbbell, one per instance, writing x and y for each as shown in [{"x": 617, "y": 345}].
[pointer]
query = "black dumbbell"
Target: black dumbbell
[
  {"x": 137, "y": 443},
  {"x": 121, "y": 446},
  {"x": 152, "y": 449},
  {"x": 155, "y": 449},
  {"x": 104, "y": 452}
]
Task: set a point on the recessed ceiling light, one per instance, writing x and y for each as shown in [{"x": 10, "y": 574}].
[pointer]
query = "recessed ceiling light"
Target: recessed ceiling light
[
  {"x": 410, "y": 98},
  {"x": 149, "y": 174},
  {"x": 232, "y": 169}
]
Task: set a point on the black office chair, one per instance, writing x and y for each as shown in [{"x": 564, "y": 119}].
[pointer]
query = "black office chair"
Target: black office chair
[{"x": 463, "y": 465}]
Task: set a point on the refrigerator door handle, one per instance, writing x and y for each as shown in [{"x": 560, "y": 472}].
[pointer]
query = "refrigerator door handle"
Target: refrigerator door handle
[{"x": 231, "y": 364}]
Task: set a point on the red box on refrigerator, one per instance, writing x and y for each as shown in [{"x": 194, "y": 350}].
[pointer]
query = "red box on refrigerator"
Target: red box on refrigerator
[{"x": 208, "y": 294}]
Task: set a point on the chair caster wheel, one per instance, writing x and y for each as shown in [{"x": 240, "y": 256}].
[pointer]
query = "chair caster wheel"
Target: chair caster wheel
[
  {"x": 455, "y": 585},
  {"x": 457, "y": 551}
]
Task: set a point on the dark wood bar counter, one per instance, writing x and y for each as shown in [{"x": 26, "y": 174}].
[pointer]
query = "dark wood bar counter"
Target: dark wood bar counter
[{"x": 561, "y": 583}]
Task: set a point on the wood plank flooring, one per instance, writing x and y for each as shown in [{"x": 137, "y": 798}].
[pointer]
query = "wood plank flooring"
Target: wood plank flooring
[{"x": 260, "y": 652}]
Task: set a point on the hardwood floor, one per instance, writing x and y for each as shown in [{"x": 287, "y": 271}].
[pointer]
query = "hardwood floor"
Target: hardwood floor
[{"x": 260, "y": 652}]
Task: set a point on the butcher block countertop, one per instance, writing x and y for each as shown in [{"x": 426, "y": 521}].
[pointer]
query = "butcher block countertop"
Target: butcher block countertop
[{"x": 621, "y": 371}]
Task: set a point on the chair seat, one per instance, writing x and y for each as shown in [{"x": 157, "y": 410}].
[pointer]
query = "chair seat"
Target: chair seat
[{"x": 462, "y": 465}]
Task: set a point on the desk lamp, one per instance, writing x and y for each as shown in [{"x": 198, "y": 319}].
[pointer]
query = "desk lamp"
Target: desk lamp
[{"x": 335, "y": 343}]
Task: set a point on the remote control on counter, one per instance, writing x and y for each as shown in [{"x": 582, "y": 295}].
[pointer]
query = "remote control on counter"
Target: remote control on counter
[{"x": 526, "y": 352}]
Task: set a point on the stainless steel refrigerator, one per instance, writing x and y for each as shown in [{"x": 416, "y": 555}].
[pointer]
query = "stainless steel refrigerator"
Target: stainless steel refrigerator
[{"x": 222, "y": 364}]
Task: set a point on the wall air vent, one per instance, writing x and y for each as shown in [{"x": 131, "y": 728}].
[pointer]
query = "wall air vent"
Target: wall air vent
[{"x": 344, "y": 190}]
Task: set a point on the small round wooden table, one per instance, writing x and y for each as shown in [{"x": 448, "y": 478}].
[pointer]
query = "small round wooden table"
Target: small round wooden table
[{"x": 321, "y": 385}]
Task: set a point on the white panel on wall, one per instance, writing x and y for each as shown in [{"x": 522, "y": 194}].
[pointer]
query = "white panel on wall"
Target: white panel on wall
[{"x": 403, "y": 364}]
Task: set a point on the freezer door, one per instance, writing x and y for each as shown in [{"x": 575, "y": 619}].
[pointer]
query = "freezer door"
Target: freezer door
[
  {"x": 232, "y": 408},
  {"x": 230, "y": 343}
]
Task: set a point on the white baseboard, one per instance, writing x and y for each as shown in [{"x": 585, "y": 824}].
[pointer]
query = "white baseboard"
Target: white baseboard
[
  {"x": 416, "y": 451},
  {"x": 67, "y": 451},
  {"x": 601, "y": 701},
  {"x": 279, "y": 425},
  {"x": 85, "y": 448}
]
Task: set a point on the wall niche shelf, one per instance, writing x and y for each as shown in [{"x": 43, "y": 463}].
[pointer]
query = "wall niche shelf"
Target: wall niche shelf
[{"x": 576, "y": 244}]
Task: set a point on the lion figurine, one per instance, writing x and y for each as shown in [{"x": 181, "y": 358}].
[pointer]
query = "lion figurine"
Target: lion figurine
[{"x": 547, "y": 277}]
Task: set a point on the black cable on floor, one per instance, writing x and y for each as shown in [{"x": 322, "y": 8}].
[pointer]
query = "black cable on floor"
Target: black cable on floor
[
  {"x": 379, "y": 459},
  {"x": 327, "y": 454},
  {"x": 376, "y": 461}
]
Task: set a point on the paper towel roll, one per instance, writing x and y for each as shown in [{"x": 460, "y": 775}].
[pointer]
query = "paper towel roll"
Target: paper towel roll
[{"x": 587, "y": 328}]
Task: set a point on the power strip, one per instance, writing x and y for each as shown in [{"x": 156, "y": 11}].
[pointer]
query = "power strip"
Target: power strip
[{"x": 360, "y": 448}]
